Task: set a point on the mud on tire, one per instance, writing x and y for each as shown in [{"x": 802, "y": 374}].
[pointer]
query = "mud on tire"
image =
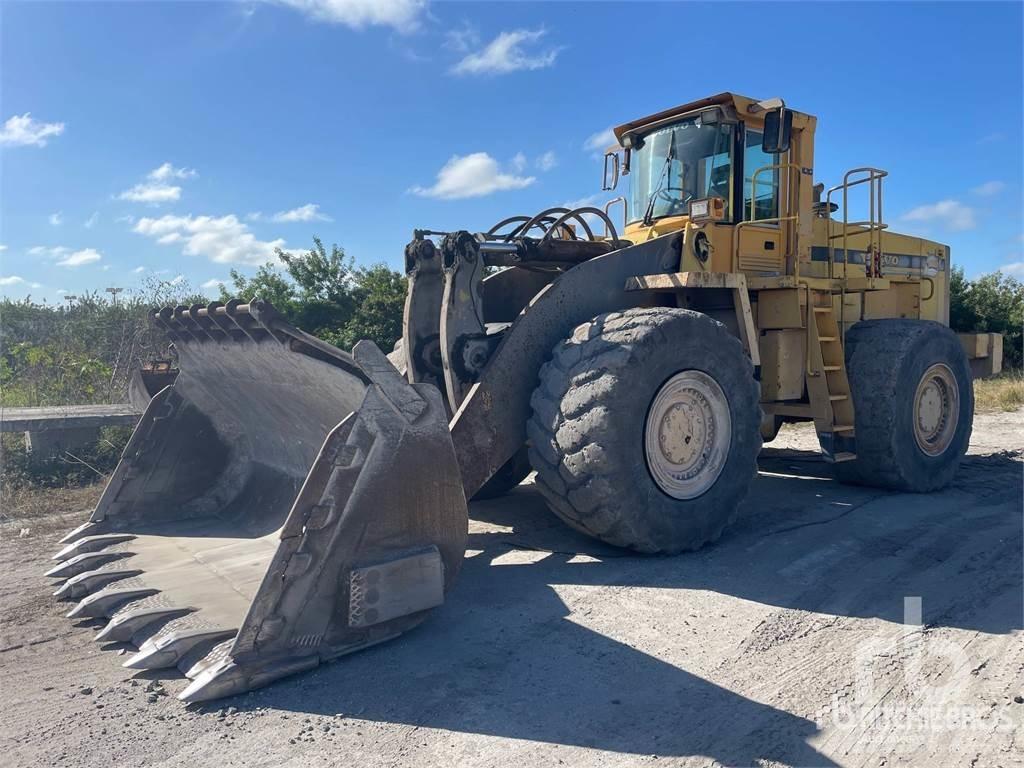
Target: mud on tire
[
  {"x": 587, "y": 431},
  {"x": 886, "y": 360}
]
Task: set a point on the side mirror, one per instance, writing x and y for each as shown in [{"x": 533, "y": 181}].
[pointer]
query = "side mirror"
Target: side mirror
[
  {"x": 778, "y": 129},
  {"x": 611, "y": 172}
]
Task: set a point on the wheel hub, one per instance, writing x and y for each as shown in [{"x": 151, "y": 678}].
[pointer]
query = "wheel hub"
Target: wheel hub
[
  {"x": 936, "y": 409},
  {"x": 687, "y": 435}
]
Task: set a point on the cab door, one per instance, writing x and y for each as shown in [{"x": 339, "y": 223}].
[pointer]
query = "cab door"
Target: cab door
[{"x": 762, "y": 239}]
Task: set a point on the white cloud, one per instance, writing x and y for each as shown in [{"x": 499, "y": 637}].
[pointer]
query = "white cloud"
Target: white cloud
[
  {"x": 1015, "y": 268},
  {"x": 213, "y": 283},
  {"x": 62, "y": 290},
  {"x": 402, "y": 15},
  {"x": 224, "y": 239},
  {"x": 53, "y": 251},
  {"x": 156, "y": 188},
  {"x": 152, "y": 193},
  {"x": 307, "y": 212},
  {"x": 91, "y": 221},
  {"x": 547, "y": 161},
  {"x": 167, "y": 172},
  {"x": 55, "y": 219},
  {"x": 462, "y": 38},
  {"x": 951, "y": 214},
  {"x": 11, "y": 280},
  {"x": 472, "y": 175},
  {"x": 989, "y": 189},
  {"x": 23, "y": 131},
  {"x": 80, "y": 258},
  {"x": 518, "y": 162},
  {"x": 139, "y": 270},
  {"x": 177, "y": 280},
  {"x": 36, "y": 285},
  {"x": 600, "y": 141},
  {"x": 508, "y": 53},
  {"x": 2, "y": 247}
]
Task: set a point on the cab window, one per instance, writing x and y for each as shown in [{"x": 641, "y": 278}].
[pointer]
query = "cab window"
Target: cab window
[{"x": 766, "y": 204}]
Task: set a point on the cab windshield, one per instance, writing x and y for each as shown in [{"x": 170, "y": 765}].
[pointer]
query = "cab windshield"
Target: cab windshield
[{"x": 678, "y": 163}]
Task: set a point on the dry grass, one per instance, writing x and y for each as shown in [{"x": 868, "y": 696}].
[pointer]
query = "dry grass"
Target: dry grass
[
  {"x": 1004, "y": 392},
  {"x": 19, "y": 505}
]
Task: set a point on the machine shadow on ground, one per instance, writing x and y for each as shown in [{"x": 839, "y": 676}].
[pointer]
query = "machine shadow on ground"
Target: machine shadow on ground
[
  {"x": 504, "y": 656},
  {"x": 804, "y": 541}
]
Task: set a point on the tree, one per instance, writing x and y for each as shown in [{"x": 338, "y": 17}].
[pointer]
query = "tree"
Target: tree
[
  {"x": 320, "y": 276},
  {"x": 379, "y": 296},
  {"x": 268, "y": 284},
  {"x": 992, "y": 303},
  {"x": 325, "y": 294},
  {"x": 324, "y": 282}
]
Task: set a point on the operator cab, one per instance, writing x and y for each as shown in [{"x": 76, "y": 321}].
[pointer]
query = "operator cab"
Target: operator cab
[{"x": 704, "y": 151}]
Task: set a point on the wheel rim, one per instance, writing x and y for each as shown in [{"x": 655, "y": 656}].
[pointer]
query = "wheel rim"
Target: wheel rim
[
  {"x": 936, "y": 409},
  {"x": 687, "y": 434}
]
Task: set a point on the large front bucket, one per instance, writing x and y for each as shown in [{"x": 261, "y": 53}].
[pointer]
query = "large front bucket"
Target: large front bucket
[{"x": 281, "y": 504}]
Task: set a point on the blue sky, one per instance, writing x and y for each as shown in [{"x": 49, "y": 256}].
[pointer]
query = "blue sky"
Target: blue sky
[{"x": 186, "y": 139}]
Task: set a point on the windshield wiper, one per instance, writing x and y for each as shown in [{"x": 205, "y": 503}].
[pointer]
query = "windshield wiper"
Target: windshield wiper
[{"x": 662, "y": 178}]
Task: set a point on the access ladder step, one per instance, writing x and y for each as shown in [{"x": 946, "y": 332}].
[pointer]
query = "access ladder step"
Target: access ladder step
[
  {"x": 831, "y": 368},
  {"x": 834, "y": 398},
  {"x": 843, "y": 456},
  {"x": 828, "y": 338},
  {"x": 842, "y": 428}
]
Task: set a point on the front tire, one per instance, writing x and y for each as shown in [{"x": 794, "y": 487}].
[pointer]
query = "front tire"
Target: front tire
[
  {"x": 913, "y": 404},
  {"x": 645, "y": 429}
]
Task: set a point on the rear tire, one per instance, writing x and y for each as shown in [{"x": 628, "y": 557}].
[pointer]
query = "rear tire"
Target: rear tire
[
  {"x": 913, "y": 403},
  {"x": 645, "y": 429}
]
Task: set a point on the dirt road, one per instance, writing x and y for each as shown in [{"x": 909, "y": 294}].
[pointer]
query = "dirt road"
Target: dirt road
[{"x": 783, "y": 644}]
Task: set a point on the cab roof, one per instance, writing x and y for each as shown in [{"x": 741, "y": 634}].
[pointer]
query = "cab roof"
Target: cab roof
[{"x": 741, "y": 104}]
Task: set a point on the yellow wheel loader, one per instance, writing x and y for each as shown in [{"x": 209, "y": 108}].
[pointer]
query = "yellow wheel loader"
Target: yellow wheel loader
[{"x": 284, "y": 502}]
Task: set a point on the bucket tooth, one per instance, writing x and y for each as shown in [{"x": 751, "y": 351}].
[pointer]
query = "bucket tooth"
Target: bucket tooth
[
  {"x": 106, "y": 602},
  {"x": 122, "y": 627},
  {"x": 91, "y": 581},
  {"x": 88, "y": 528},
  {"x": 168, "y": 650},
  {"x": 91, "y": 544},
  {"x": 219, "y": 654},
  {"x": 89, "y": 561},
  {"x": 226, "y": 677}
]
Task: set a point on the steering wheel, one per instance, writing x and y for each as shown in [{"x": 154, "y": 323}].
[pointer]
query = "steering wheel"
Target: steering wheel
[{"x": 674, "y": 202}]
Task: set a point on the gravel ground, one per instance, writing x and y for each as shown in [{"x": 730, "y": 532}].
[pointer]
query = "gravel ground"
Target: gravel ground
[{"x": 832, "y": 625}]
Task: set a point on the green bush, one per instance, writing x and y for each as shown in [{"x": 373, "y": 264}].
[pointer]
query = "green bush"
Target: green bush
[
  {"x": 992, "y": 303},
  {"x": 84, "y": 352}
]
